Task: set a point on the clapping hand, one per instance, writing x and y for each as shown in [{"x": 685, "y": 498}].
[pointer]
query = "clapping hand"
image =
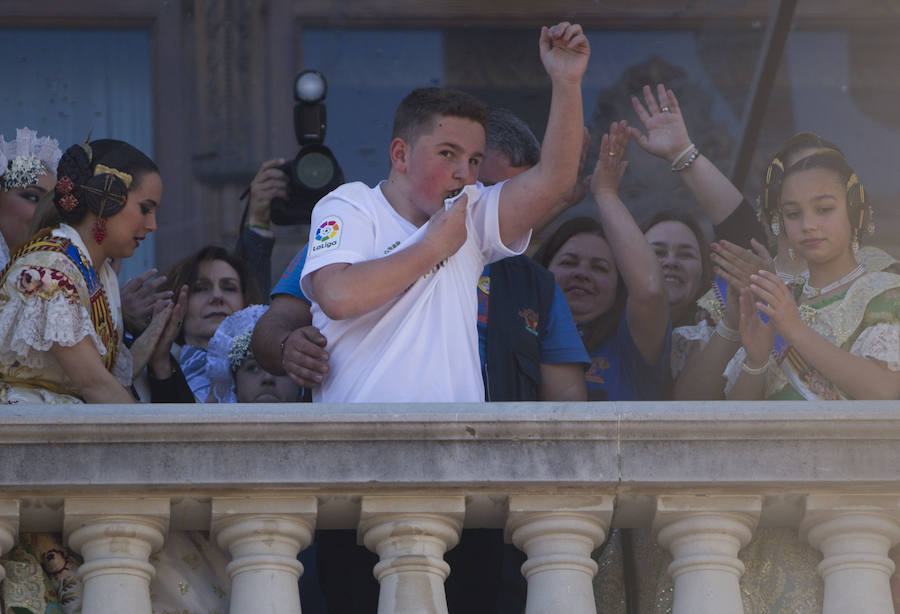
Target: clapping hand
[
  {"x": 735, "y": 264},
  {"x": 776, "y": 300},
  {"x": 757, "y": 336},
  {"x": 141, "y": 298}
]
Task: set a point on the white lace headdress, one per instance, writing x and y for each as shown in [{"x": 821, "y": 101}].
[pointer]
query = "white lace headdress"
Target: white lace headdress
[
  {"x": 228, "y": 348},
  {"x": 26, "y": 158}
]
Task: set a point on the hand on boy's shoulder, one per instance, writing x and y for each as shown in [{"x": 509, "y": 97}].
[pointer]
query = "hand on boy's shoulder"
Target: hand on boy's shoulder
[
  {"x": 564, "y": 50},
  {"x": 447, "y": 228}
]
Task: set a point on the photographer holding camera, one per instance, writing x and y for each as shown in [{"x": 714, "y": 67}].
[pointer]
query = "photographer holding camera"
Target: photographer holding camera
[{"x": 257, "y": 239}]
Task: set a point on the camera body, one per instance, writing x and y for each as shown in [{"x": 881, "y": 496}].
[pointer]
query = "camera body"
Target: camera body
[{"x": 314, "y": 171}]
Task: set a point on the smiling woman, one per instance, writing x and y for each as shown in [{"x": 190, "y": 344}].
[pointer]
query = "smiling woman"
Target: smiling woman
[
  {"x": 683, "y": 252},
  {"x": 613, "y": 284}
]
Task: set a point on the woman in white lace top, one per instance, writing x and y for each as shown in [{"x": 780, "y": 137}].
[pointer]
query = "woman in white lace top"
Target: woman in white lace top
[{"x": 60, "y": 313}]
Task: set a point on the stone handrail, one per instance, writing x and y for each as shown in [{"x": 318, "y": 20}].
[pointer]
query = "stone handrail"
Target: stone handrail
[{"x": 556, "y": 476}]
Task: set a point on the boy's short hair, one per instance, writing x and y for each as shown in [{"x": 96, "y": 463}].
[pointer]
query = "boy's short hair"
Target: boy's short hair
[
  {"x": 418, "y": 110},
  {"x": 512, "y": 137}
]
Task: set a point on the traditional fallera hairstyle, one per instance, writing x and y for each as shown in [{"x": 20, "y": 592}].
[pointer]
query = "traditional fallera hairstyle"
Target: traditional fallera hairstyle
[
  {"x": 96, "y": 177},
  {"x": 423, "y": 106},
  {"x": 26, "y": 158},
  {"x": 228, "y": 348},
  {"x": 825, "y": 155},
  {"x": 596, "y": 332}
]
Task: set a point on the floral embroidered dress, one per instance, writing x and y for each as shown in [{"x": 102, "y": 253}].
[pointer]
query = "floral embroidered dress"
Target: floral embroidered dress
[
  {"x": 50, "y": 293},
  {"x": 864, "y": 321},
  {"x": 712, "y": 305}
]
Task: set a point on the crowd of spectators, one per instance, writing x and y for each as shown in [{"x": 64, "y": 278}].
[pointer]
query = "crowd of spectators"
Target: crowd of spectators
[{"x": 418, "y": 288}]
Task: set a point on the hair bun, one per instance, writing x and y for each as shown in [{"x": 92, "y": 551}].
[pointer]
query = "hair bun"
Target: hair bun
[
  {"x": 73, "y": 171},
  {"x": 75, "y": 164},
  {"x": 105, "y": 194}
]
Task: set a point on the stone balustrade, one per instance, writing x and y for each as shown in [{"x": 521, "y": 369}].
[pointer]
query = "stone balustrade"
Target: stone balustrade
[{"x": 114, "y": 480}]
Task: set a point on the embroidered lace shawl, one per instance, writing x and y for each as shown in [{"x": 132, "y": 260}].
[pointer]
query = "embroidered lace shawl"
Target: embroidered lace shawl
[
  {"x": 864, "y": 322},
  {"x": 45, "y": 300},
  {"x": 684, "y": 338}
]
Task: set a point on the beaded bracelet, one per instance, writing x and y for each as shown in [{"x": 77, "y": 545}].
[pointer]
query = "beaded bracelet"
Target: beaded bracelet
[
  {"x": 682, "y": 154},
  {"x": 686, "y": 163},
  {"x": 755, "y": 371}
]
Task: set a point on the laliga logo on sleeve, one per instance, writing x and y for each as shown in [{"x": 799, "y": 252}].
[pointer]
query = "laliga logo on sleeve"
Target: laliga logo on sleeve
[{"x": 328, "y": 234}]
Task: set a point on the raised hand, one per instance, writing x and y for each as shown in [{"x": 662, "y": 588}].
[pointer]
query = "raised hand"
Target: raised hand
[
  {"x": 610, "y": 168},
  {"x": 564, "y": 51},
  {"x": 270, "y": 182},
  {"x": 667, "y": 134}
]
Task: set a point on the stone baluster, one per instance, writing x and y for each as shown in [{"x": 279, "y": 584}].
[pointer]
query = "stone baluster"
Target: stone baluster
[
  {"x": 704, "y": 535},
  {"x": 115, "y": 537},
  {"x": 410, "y": 536},
  {"x": 264, "y": 536},
  {"x": 9, "y": 528},
  {"x": 558, "y": 533},
  {"x": 855, "y": 533}
]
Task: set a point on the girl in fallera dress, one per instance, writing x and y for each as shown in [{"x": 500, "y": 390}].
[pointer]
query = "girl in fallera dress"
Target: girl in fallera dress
[{"x": 841, "y": 325}]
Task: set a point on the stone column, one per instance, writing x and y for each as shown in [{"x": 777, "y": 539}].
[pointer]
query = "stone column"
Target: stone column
[
  {"x": 705, "y": 534},
  {"x": 264, "y": 536},
  {"x": 410, "y": 536},
  {"x": 558, "y": 533},
  {"x": 855, "y": 533},
  {"x": 9, "y": 528},
  {"x": 116, "y": 536}
]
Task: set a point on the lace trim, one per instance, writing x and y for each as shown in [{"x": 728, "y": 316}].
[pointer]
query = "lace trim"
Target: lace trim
[
  {"x": 30, "y": 325},
  {"x": 711, "y": 303},
  {"x": 775, "y": 379},
  {"x": 123, "y": 368},
  {"x": 881, "y": 342},
  {"x": 683, "y": 340},
  {"x": 837, "y": 321},
  {"x": 874, "y": 259}
]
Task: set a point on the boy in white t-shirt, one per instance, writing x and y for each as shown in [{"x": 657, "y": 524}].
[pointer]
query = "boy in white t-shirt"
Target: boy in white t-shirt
[{"x": 392, "y": 270}]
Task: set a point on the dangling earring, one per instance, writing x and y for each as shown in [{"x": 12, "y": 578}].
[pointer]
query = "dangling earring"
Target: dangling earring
[
  {"x": 855, "y": 245},
  {"x": 776, "y": 226},
  {"x": 791, "y": 253},
  {"x": 99, "y": 230}
]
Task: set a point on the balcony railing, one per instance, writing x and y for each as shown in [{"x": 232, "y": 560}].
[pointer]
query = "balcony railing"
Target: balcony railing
[{"x": 703, "y": 476}]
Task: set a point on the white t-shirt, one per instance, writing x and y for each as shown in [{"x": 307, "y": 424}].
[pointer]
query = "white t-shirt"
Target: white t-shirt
[{"x": 422, "y": 345}]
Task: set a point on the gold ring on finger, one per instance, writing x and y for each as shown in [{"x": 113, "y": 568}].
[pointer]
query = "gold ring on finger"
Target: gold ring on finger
[{"x": 666, "y": 110}]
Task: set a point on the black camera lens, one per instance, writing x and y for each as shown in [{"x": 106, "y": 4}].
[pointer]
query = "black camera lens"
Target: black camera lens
[{"x": 314, "y": 170}]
